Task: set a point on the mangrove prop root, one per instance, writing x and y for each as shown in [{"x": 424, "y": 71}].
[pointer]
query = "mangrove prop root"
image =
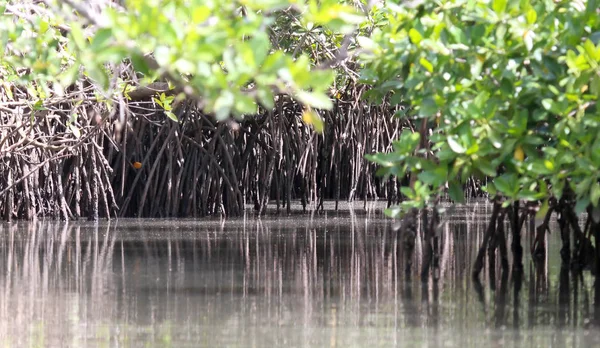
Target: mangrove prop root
[
  {"x": 409, "y": 235},
  {"x": 517, "y": 248},
  {"x": 565, "y": 251},
  {"x": 491, "y": 253},
  {"x": 427, "y": 246},
  {"x": 430, "y": 245},
  {"x": 133, "y": 161},
  {"x": 538, "y": 247},
  {"x": 583, "y": 253},
  {"x": 502, "y": 243},
  {"x": 477, "y": 267}
]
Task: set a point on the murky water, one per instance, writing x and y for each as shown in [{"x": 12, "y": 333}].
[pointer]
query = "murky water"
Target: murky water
[{"x": 334, "y": 279}]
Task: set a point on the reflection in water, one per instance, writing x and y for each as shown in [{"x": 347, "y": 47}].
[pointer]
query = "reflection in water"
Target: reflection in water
[{"x": 335, "y": 280}]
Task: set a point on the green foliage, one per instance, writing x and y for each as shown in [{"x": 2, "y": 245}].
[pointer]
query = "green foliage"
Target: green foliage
[
  {"x": 511, "y": 85},
  {"x": 229, "y": 55},
  {"x": 509, "y": 88}
]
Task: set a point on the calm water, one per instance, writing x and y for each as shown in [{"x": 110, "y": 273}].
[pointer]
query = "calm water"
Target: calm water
[{"x": 328, "y": 280}]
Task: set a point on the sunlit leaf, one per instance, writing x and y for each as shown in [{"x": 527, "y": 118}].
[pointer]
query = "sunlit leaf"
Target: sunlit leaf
[
  {"x": 366, "y": 43},
  {"x": 415, "y": 36},
  {"x": 531, "y": 15},
  {"x": 541, "y": 213},
  {"x": 260, "y": 45},
  {"x": 172, "y": 116},
  {"x": 101, "y": 39},
  {"x": 77, "y": 35},
  {"x": 75, "y": 130},
  {"x": 315, "y": 100},
  {"x": 312, "y": 118},
  {"x": 426, "y": 64},
  {"x": 455, "y": 145},
  {"x": 223, "y": 105},
  {"x": 499, "y": 6}
]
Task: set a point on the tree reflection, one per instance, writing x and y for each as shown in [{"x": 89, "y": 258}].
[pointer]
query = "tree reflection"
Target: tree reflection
[{"x": 311, "y": 279}]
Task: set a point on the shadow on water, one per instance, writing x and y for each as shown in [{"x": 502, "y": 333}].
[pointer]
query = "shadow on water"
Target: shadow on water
[{"x": 336, "y": 280}]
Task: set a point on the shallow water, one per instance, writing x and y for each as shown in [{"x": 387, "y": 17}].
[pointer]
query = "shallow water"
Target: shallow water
[{"x": 314, "y": 280}]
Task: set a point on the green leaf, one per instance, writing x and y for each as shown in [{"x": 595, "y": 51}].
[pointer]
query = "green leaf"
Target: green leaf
[
  {"x": 200, "y": 14},
  {"x": 486, "y": 167},
  {"x": 499, "y": 6},
  {"x": 260, "y": 45},
  {"x": 506, "y": 184},
  {"x": 77, "y": 35},
  {"x": 531, "y": 15},
  {"x": 455, "y": 145},
  {"x": 265, "y": 97},
  {"x": 436, "y": 177},
  {"x": 520, "y": 121},
  {"x": 38, "y": 105},
  {"x": 393, "y": 212},
  {"x": 315, "y": 100},
  {"x": 163, "y": 55},
  {"x": 490, "y": 188},
  {"x": 407, "y": 143},
  {"x": 528, "y": 195},
  {"x": 101, "y": 39},
  {"x": 590, "y": 49},
  {"x": 140, "y": 65},
  {"x": 97, "y": 73},
  {"x": 172, "y": 116},
  {"x": 223, "y": 105},
  {"x": 595, "y": 85},
  {"x": 313, "y": 118},
  {"x": 595, "y": 194},
  {"x": 426, "y": 64},
  {"x": 184, "y": 66},
  {"x": 428, "y": 107},
  {"x": 528, "y": 40},
  {"x": 75, "y": 130},
  {"x": 583, "y": 187},
  {"x": 245, "y": 105},
  {"x": 541, "y": 213},
  {"x": 415, "y": 36},
  {"x": 550, "y": 105},
  {"x": 381, "y": 171},
  {"x": 408, "y": 192},
  {"x": 476, "y": 68},
  {"x": 455, "y": 192},
  {"x": 366, "y": 43},
  {"x": 558, "y": 188},
  {"x": 68, "y": 77}
]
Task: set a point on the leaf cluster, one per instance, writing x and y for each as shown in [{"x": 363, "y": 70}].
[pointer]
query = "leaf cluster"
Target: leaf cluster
[
  {"x": 231, "y": 56},
  {"x": 509, "y": 89}
]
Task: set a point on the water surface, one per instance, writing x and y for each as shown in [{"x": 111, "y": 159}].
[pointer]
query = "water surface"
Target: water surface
[{"x": 314, "y": 280}]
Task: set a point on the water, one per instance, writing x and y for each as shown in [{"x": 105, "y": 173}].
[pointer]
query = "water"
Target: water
[{"x": 315, "y": 280}]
